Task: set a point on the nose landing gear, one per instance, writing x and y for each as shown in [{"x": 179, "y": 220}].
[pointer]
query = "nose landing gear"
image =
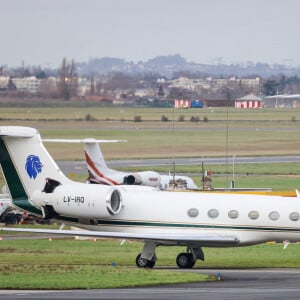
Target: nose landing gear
[{"x": 144, "y": 263}]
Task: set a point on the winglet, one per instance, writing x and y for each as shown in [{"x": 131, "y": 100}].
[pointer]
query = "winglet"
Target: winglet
[{"x": 297, "y": 193}]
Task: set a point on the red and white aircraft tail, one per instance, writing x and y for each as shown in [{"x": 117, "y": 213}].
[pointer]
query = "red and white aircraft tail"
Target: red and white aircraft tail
[{"x": 100, "y": 173}]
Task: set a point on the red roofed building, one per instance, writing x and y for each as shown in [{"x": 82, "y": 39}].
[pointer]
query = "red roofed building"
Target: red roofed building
[{"x": 249, "y": 101}]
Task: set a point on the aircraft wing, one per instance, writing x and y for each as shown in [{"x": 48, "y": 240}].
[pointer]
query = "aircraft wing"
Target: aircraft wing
[{"x": 202, "y": 239}]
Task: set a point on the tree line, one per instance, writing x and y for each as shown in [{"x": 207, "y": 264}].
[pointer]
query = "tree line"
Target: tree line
[{"x": 67, "y": 83}]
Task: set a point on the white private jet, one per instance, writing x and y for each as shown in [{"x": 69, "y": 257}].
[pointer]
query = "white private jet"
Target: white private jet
[
  {"x": 156, "y": 218},
  {"x": 100, "y": 173}
]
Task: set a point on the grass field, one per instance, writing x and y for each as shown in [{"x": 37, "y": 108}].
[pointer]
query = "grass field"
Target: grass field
[
  {"x": 227, "y": 133},
  {"x": 277, "y": 176},
  {"x": 68, "y": 263},
  {"x": 232, "y": 131},
  {"x": 68, "y": 111}
]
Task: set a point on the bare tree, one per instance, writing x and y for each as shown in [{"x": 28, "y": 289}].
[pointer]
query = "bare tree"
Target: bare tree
[
  {"x": 92, "y": 87},
  {"x": 68, "y": 80}
]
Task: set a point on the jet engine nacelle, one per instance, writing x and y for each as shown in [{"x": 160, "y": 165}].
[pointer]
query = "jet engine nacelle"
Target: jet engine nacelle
[
  {"x": 79, "y": 200},
  {"x": 148, "y": 178}
]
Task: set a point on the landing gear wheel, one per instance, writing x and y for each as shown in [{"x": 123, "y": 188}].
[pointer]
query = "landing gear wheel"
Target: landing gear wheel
[
  {"x": 144, "y": 263},
  {"x": 185, "y": 260}
]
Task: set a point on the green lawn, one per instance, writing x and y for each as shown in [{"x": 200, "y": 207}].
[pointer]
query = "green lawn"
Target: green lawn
[
  {"x": 240, "y": 132},
  {"x": 69, "y": 263}
]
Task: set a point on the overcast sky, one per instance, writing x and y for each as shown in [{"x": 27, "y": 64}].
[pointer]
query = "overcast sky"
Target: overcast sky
[{"x": 42, "y": 32}]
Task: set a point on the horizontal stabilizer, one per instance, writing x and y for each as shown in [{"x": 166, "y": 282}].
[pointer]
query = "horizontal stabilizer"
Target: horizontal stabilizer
[
  {"x": 87, "y": 140},
  {"x": 17, "y": 131}
]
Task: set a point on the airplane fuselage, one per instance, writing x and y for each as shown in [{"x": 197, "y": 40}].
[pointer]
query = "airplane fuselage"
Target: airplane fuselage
[{"x": 253, "y": 218}]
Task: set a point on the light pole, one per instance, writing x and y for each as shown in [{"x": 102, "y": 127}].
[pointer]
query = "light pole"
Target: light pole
[{"x": 232, "y": 182}]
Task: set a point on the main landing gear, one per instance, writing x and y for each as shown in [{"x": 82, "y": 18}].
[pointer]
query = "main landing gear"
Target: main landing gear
[{"x": 184, "y": 260}]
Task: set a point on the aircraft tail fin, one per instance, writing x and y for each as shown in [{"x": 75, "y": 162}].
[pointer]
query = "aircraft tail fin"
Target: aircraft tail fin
[
  {"x": 97, "y": 168},
  {"x": 92, "y": 150},
  {"x": 26, "y": 164},
  {"x": 96, "y": 164}
]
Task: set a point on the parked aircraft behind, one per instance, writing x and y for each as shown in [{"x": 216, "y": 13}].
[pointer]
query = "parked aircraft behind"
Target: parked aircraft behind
[
  {"x": 5, "y": 203},
  {"x": 156, "y": 218},
  {"x": 99, "y": 172}
]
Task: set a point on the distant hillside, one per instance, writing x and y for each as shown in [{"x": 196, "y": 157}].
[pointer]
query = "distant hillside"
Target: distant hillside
[{"x": 170, "y": 65}]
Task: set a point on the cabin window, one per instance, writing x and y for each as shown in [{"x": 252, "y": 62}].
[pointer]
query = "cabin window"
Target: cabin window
[
  {"x": 253, "y": 215},
  {"x": 294, "y": 216},
  {"x": 233, "y": 214},
  {"x": 193, "y": 212},
  {"x": 213, "y": 213},
  {"x": 274, "y": 215}
]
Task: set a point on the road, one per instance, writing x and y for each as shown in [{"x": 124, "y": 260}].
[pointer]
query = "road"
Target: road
[
  {"x": 80, "y": 166},
  {"x": 275, "y": 284}
]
